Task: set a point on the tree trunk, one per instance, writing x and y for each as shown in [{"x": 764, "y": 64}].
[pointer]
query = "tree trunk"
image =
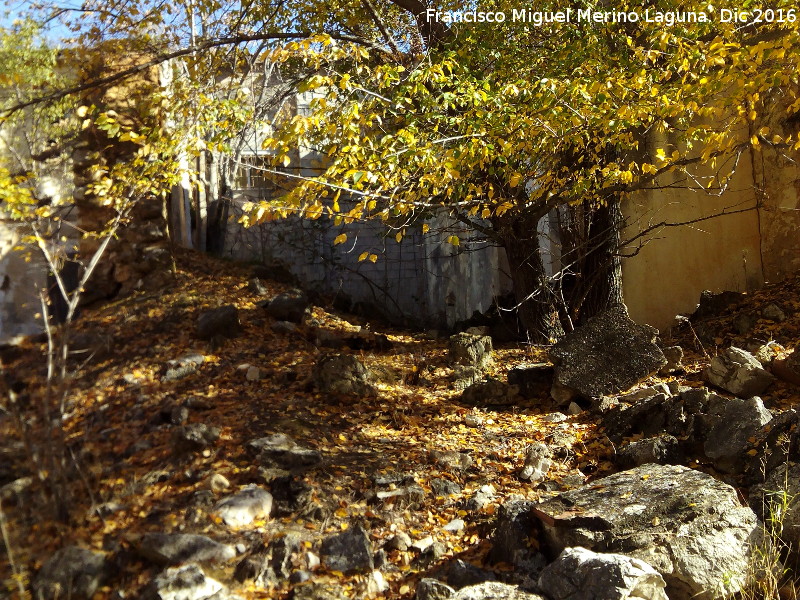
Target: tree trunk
[
  {"x": 536, "y": 298},
  {"x": 602, "y": 267},
  {"x": 590, "y": 237}
]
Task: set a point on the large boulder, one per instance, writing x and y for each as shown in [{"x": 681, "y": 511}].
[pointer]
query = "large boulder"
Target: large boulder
[
  {"x": 343, "y": 374},
  {"x": 607, "y": 355},
  {"x": 688, "y": 526},
  {"x": 730, "y": 438},
  {"x": 580, "y": 574},
  {"x": 71, "y": 572},
  {"x": 738, "y": 372}
]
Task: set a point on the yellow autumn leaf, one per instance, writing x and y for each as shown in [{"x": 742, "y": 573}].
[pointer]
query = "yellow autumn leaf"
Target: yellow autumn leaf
[
  {"x": 363, "y": 256},
  {"x": 340, "y": 239},
  {"x": 399, "y": 237},
  {"x": 373, "y": 258},
  {"x": 425, "y": 228}
]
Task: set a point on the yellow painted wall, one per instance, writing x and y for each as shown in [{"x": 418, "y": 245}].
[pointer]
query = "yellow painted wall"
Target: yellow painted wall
[{"x": 675, "y": 264}]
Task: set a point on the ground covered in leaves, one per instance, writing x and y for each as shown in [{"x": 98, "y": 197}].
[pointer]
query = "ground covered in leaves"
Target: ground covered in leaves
[{"x": 120, "y": 425}]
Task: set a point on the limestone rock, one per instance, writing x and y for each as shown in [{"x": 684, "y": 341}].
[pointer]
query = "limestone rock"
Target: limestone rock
[
  {"x": 255, "y": 286},
  {"x": 343, "y": 374},
  {"x": 470, "y": 350},
  {"x": 727, "y": 442},
  {"x": 376, "y": 583},
  {"x": 270, "y": 564},
  {"x": 714, "y": 304},
  {"x": 494, "y": 590},
  {"x": 245, "y": 506},
  {"x": 444, "y": 487},
  {"x": 533, "y": 380},
  {"x": 401, "y": 496},
  {"x": 738, "y": 372},
  {"x": 773, "y": 312},
  {"x": 280, "y": 451},
  {"x": 290, "y": 306},
  {"x": 182, "y": 367},
  {"x": 399, "y": 541},
  {"x": 537, "y": 463},
  {"x": 349, "y": 551},
  {"x": 222, "y": 321},
  {"x": 491, "y": 392},
  {"x": 687, "y": 525},
  {"x": 314, "y": 590},
  {"x": 194, "y": 437},
  {"x": 608, "y": 354},
  {"x": 460, "y": 574},
  {"x": 455, "y": 526},
  {"x": 481, "y": 498},
  {"x": 187, "y": 582},
  {"x": 663, "y": 449},
  {"x": 452, "y": 460},
  {"x": 514, "y": 526},
  {"x": 169, "y": 549},
  {"x": 284, "y": 327},
  {"x": 647, "y": 416},
  {"x": 71, "y": 572},
  {"x": 432, "y": 589},
  {"x": 674, "y": 357},
  {"x": 580, "y": 574}
]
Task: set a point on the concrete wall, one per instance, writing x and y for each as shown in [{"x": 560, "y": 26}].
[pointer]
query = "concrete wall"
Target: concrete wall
[
  {"x": 421, "y": 281},
  {"x": 20, "y": 282},
  {"x": 739, "y": 240},
  {"x": 671, "y": 265},
  {"x": 756, "y": 241}
]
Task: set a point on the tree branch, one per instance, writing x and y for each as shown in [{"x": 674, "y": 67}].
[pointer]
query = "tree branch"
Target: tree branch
[{"x": 162, "y": 58}]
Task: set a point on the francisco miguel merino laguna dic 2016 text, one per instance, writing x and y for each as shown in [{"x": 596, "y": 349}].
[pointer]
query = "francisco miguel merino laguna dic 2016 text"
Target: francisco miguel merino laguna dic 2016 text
[{"x": 669, "y": 18}]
